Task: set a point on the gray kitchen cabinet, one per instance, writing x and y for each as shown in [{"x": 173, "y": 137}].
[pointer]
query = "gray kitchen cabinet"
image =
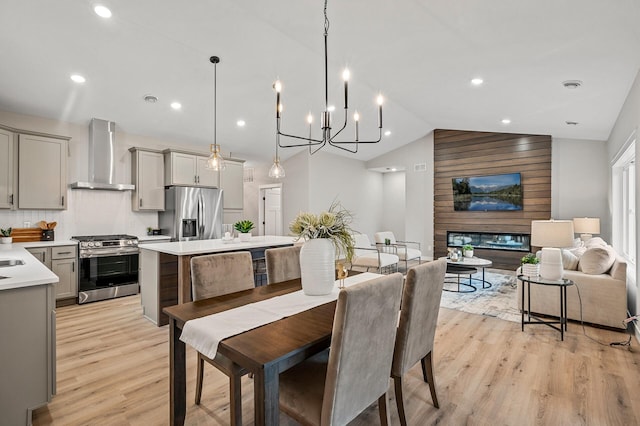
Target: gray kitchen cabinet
[
  {"x": 189, "y": 169},
  {"x": 231, "y": 181},
  {"x": 6, "y": 169},
  {"x": 147, "y": 171},
  {"x": 28, "y": 355},
  {"x": 42, "y": 172},
  {"x": 62, "y": 261}
]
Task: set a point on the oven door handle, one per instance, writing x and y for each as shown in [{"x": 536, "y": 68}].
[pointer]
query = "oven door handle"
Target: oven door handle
[{"x": 109, "y": 253}]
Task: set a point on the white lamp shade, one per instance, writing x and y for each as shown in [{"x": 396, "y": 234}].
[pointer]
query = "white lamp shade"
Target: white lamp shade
[
  {"x": 586, "y": 225},
  {"x": 552, "y": 233}
]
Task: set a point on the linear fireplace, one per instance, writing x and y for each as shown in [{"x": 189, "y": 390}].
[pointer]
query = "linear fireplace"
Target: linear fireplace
[{"x": 490, "y": 240}]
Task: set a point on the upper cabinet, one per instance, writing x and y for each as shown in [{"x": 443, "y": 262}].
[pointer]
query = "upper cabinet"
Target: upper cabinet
[
  {"x": 231, "y": 182},
  {"x": 147, "y": 170},
  {"x": 6, "y": 169},
  {"x": 42, "y": 172},
  {"x": 183, "y": 168}
]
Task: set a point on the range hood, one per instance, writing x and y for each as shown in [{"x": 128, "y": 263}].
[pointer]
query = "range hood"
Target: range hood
[{"x": 102, "y": 138}]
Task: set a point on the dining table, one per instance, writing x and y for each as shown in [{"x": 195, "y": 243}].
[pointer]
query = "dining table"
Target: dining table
[{"x": 265, "y": 351}]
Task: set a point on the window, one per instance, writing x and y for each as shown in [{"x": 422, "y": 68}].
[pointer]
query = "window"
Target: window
[{"x": 624, "y": 178}]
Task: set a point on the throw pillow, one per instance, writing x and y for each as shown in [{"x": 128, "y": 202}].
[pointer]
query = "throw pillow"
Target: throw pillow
[
  {"x": 595, "y": 242},
  {"x": 597, "y": 260},
  {"x": 569, "y": 261},
  {"x": 577, "y": 242},
  {"x": 578, "y": 251}
]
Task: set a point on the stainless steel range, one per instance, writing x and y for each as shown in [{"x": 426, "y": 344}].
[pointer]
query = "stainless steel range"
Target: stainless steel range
[{"x": 108, "y": 267}]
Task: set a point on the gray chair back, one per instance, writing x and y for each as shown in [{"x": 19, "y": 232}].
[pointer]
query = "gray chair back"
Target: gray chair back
[
  {"x": 283, "y": 264},
  {"x": 223, "y": 273},
  {"x": 364, "y": 330},
  {"x": 419, "y": 316}
]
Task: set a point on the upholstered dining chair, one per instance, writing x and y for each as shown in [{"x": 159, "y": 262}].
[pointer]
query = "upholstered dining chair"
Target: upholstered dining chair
[
  {"x": 401, "y": 248},
  {"x": 215, "y": 275},
  {"x": 332, "y": 388},
  {"x": 417, "y": 327},
  {"x": 367, "y": 255},
  {"x": 283, "y": 264}
]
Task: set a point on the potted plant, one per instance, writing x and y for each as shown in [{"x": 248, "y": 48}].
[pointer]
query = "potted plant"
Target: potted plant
[
  {"x": 244, "y": 227},
  {"x": 6, "y": 236},
  {"x": 467, "y": 250},
  {"x": 326, "y": 236},
  {"x": 530, "y": 265}
]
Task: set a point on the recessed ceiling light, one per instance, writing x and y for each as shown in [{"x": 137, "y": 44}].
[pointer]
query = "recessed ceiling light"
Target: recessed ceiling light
[
  {"x": 331, "y": 108},
  {"x": 102, "y": 11},
  {"x": 151, "y": 99},
  {"x": 572, "y": 84},
  {"x": 394, "y": 169},
  {"x": 571, "y": 123},
  {"x": 387, "y": 133},
  {"x": 176, "y": 105},
  {"x": 506, "y": 121},
  {"x": 477, "y": 81},
  {"x": 78, "y": 78},
  {"x": 240, "y": 123}
]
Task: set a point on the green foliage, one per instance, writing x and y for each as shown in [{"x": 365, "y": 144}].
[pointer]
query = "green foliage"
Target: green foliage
[
  {"x": 333, "y": 224},
  {"x": 467, "y": 247},
  {"x": 530, "y": 258},
  {"x": 243, "y": 226},
  {"x": 5, "y": 232}
]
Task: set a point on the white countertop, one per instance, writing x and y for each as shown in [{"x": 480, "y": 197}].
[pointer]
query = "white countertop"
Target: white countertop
[
  {"x": 31, "y": 273},
  {"x": 146, "y": 238},
  {"x": 180, "y": 248},
  {"x": 54, "y": 243}
]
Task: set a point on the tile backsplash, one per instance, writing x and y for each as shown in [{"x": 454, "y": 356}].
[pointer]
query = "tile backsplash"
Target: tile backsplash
[{"x": 88, "y": 213}]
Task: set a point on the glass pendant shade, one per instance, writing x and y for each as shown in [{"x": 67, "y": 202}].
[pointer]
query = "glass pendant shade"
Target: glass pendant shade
[
  {"x": 215, "y": 160},
  {"x": 276, "y": 171}
]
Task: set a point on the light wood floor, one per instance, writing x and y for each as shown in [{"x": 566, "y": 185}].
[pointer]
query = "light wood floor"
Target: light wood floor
[{"x": 113, "y": 369}]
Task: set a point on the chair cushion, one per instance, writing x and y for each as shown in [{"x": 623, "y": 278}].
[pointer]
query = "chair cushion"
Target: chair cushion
[
  {"x": 361, "y": 240},
  {"x": 283, "y": 264},
  {"x": 409, "y": 254},
  {"x": 597, "y": 260},
  {"x": 370, "y": 259},
  {"x": 385, "y": 235},
  {"x": 569, "y": 260}
]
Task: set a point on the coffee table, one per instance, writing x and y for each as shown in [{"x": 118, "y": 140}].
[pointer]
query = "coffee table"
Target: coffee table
[{"x": 468, "y": 266}]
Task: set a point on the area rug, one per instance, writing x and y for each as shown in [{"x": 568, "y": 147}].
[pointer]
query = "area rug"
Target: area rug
[{"x": 499, "y": 301}]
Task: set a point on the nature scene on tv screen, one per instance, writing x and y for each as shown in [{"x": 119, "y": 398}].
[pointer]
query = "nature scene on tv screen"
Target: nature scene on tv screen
[{"x": 484, "y": 193}]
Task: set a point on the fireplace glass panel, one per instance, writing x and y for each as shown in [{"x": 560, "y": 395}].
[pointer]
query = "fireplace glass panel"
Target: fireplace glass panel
[{"x": 490, "y": 240}]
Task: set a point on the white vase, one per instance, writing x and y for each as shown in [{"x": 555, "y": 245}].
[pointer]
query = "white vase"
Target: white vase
[
  {"x": 468, "y": 253},
  {"x": 530, "y": 269},
  {"x": 6, "y": 240},
  {"x": 245, "y": 237},
  {"x": 317, "y": 258}
]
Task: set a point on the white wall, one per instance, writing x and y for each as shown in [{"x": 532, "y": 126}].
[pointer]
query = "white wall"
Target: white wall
[
  {"x": 418, "y": 224},
  {"x": 393, "y": 205},
  {"x": 626, "y": 125},
  {"x": 88, "y": 212},
  {"x": 295, "y": 188},
  {"x": 580, "y": 181}
]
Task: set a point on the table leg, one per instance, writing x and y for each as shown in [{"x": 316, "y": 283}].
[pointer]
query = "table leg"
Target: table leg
[
  {"x": 566, "y": 314},
  {"x": 266, "y": 395},
  {"x": 177, "y": 376},
  {"x": 522, "y": 307},
  {"x": 562, "y": 314}
]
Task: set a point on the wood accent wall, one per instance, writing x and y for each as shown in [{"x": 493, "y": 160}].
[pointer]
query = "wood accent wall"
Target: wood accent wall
[{"x": 460, "y": 153}]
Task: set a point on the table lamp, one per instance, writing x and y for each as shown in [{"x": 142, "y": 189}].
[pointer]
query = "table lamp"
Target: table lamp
[
  {"x": 551, "y": 235},
  {"x": 586, "y": 227}
]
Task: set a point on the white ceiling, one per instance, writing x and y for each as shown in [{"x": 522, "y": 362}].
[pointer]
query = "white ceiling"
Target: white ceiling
[{"x": 420, "y": 54}]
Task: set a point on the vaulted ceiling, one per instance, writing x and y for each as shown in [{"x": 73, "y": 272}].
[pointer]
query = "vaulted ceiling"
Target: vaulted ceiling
[{"x": 421, "y": 55}]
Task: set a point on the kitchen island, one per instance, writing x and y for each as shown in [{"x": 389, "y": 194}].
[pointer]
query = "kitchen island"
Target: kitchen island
[
  {"x": 27, "y": 333},
  {"x": 165, "y": 269}
]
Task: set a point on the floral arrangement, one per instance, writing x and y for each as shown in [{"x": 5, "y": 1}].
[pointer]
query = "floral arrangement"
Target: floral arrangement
[{"x": 333, "y": 224}]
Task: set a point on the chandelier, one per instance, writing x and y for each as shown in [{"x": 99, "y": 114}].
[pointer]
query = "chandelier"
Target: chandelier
[
  {"x": 215, "y": 160},
  {"x": 326, "y": 137}
]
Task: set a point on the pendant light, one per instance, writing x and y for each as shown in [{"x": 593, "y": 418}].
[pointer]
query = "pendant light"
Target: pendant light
[
  {"x": 276, "y": 171},
  {"x": 215, "y": 160}
]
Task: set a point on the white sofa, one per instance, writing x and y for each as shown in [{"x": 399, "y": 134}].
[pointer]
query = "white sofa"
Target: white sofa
[{"x": 603, "y": 293}]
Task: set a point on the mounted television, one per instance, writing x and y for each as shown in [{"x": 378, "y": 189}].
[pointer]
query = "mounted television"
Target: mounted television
[{"x": 487, "y": 193}]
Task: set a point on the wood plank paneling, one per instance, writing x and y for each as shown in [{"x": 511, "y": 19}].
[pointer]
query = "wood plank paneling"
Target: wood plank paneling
[{"x": 459, "y": 153}]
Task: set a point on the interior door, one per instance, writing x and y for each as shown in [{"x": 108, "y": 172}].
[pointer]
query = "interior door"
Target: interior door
[{"x": 273, "y": 211}]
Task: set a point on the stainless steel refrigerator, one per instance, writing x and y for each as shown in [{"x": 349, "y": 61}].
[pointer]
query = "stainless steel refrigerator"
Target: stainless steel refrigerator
[{"x": 191, "y": 213}]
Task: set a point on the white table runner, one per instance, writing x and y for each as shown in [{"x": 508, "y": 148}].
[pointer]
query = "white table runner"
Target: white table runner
[{"x": 204, "y": 334}]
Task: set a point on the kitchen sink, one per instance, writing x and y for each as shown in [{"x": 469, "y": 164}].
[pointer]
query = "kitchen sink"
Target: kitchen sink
[{"x": 10, "y": 262}]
